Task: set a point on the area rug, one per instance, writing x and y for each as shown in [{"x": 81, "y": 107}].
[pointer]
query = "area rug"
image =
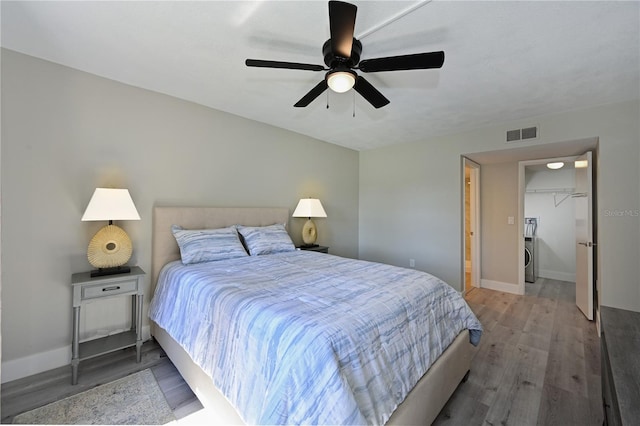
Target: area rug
[{"x": 132, "y": 400}]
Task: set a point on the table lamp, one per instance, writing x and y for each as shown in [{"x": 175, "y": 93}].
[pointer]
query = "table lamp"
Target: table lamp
[
  {"x": 110, "y": 248},
  {"x": 309, "y": 207}
]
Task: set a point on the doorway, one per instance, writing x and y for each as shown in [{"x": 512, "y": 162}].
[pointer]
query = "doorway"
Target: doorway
[
  {"x": 502, "y": 217},
  {"x": 558, "y": 199},
  {"x": 471, "y": 224},
  {"x": 549, "y": 218}
]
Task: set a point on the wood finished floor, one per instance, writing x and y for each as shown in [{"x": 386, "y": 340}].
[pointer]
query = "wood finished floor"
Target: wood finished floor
[
  {"x": 538, "y": 363},
  {"x": 31, "y": 392}
]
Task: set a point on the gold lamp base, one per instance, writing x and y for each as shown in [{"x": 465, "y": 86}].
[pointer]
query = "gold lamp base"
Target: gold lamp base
[
  {"x": 309, "y": 233},
  {"x": 108, "y": 250}
]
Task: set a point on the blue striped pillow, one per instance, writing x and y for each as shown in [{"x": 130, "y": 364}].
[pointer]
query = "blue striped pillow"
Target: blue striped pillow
[
  {"x": 266, "y": 239},
  {"x": 207, "y": 245}
]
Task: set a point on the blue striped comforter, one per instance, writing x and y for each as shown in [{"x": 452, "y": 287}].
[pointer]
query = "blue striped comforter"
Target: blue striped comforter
[{"x": 310, "y": 338}]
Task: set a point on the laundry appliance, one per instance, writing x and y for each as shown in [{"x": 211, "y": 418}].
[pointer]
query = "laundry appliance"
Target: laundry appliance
[{"x": 530, "y": 259}]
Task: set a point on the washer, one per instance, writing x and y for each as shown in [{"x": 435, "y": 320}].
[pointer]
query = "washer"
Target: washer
[{"x": 530, "y": 259}]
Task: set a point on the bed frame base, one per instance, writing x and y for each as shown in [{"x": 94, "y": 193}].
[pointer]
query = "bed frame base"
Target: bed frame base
[{"x": 433, "y": 390}]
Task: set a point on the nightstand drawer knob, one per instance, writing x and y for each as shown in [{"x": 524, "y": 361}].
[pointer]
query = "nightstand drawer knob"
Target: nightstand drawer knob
[{"x": 115, "y": 287}]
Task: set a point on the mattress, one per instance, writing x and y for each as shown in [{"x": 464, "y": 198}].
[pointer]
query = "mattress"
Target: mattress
[{"x": 304, "y": 337}]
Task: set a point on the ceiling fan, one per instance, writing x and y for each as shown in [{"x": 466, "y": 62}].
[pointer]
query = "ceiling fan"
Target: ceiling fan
[{"x": 342, "y": 57}]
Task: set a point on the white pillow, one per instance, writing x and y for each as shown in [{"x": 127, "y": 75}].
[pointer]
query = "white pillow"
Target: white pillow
[
  {"x": 207, "y": 245},
  {"x": 266, "y": 239}
]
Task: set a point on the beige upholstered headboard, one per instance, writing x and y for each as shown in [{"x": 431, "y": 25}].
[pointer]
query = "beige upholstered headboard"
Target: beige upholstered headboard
[{"x": 164, "y": 246}]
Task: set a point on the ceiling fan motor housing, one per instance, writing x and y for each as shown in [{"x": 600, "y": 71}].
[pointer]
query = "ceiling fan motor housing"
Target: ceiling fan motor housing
[{"x": 332, "y": 60}]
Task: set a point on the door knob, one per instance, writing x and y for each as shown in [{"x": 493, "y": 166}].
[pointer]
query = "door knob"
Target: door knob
[{"x": 589, "y": 244}]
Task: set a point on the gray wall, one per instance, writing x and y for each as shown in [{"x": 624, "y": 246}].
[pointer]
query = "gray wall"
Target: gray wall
[
  {"x": 66, "y": 132},
  {"x": 498, "y": 202},
  {"x": 410, "y": 199}
]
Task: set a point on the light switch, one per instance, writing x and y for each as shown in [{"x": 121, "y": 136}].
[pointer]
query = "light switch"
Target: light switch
[{"x": 511, "y": 220}]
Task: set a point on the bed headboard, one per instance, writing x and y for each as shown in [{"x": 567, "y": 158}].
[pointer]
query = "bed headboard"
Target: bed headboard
[{"x": 164, "y": 246}]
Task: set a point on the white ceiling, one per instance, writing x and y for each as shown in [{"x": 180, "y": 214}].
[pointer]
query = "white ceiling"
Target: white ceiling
[{"x": 504, "y": 60}]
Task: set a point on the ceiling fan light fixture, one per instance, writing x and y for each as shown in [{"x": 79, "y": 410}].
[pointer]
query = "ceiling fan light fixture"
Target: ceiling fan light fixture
[{"x": 341, "y": 81}]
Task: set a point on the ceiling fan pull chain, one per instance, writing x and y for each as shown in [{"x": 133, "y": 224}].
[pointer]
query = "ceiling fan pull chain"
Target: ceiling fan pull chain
[
  {"x": 354, "y": 103},
  {"x": 327, "y": 99}
]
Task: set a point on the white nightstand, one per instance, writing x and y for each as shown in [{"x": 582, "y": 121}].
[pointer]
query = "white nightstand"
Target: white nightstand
[{"x": 87, "y": 290}]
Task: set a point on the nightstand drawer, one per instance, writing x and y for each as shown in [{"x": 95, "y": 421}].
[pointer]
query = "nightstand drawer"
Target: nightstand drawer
[{"x": 111, "y": 289}]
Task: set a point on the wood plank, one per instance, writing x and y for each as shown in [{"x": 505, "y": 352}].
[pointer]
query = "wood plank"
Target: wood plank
[
  {"x": 566, "y": 368},
  {"x": 536, "y": 330},
  {"x": 462, "y": 410},
  {"x": 517, "y": 314},
  {"x": 594, "y": 388},
  {"x": 487, "y": 370},
  {"x": 549, "y": 289},
  {"x": 518, "y": 398},
  {"x": 176, "y": 390},
  {"x": 490, "y": 310},
  {"x": 591, "y": 350},
  {"x": 561, "y": 407}
]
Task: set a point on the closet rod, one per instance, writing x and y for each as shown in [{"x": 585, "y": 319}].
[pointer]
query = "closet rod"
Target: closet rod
[{"x": 551, "y": 190}]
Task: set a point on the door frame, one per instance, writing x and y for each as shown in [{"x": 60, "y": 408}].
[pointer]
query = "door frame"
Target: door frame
[
  {"x": 475, "y": 218},
  {"x": 520, "y": 219}
]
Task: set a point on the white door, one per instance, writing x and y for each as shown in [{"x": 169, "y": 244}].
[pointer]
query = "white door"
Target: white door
[{"x": 584, "y": 234}]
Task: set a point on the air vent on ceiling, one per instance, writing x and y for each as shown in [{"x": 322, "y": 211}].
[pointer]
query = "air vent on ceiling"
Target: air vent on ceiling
[
  {"x": 513, "y": 135},
  {"x": 530, "y": 133},
  {"x": 526, "y": 133}
]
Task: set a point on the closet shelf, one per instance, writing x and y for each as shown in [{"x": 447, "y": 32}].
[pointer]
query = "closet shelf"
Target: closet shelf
[
  {"x": 559, "y": 194},
  {"x": 551, "y": 191}
]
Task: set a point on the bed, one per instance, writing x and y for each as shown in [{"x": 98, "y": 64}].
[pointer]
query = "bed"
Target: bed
[{"x": 421, "y": 402}]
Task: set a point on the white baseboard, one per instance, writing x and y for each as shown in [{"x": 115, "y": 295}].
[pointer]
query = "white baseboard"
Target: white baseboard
[
  {"x": 44, "y": 361},
  {"x": 500, "y": 286},
  {"x": 556, "y": 275},
  {"x": 37, "y": 363}
]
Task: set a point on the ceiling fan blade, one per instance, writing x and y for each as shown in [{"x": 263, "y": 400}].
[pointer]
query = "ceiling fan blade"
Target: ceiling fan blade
[
  {"x": 370, "y": 93},
  {"x": 313, "y": 93},
  {"x": 279, "y": 64},
  {"x": 417, "y": 61},
  {"x": 342, "y": 21}
]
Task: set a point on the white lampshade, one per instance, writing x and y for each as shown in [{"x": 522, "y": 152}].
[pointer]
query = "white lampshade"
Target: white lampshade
[
  {"x": 309, "y": 207},
  {"x": 110, "y": 204}
]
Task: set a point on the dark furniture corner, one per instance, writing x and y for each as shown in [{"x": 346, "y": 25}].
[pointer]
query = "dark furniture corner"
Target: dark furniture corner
[
  {"x": 620, "y": 344},
  {"x": 320, "y": 249}
]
